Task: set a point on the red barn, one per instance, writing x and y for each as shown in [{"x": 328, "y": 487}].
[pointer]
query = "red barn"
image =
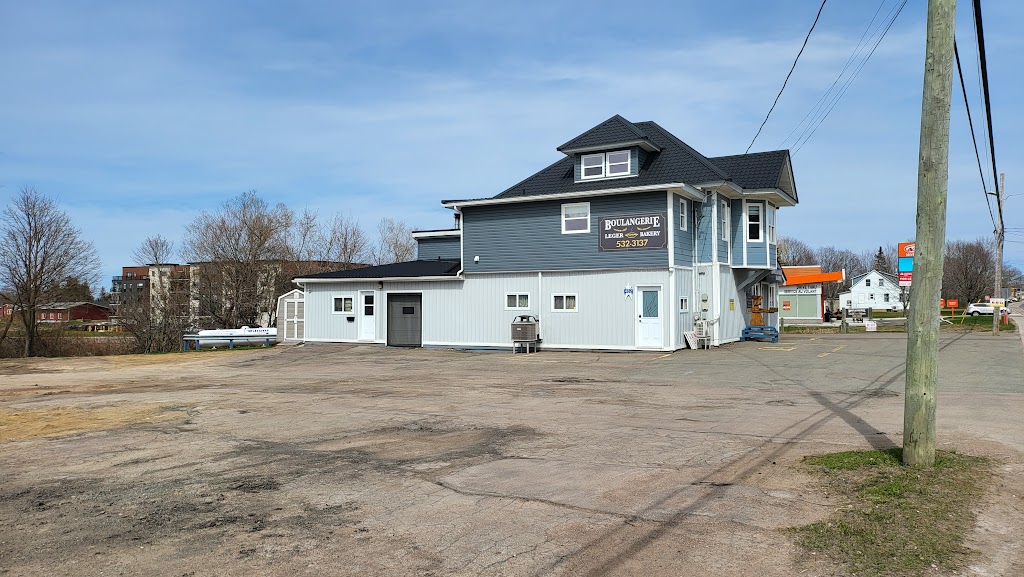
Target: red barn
[{"x": 80, "y": 311}]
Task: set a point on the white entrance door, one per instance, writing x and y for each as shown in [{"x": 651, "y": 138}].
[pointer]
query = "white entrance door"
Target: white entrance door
[
  {"x": 648, "y": 327},
  {"x": 367, "y": 319}
]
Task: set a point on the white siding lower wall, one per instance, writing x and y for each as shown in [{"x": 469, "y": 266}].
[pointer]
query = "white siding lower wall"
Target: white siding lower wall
[
  {"x": 684, "y": 319},
  {"x": 472, "y": 313},
  {"x": 731, "y": 321}
]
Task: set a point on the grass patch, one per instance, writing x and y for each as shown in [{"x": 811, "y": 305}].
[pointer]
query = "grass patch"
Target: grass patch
[{"x": 900, "y": 521}]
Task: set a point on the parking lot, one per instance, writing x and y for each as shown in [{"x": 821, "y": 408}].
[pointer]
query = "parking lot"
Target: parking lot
[{"x": 363, "y": 460}]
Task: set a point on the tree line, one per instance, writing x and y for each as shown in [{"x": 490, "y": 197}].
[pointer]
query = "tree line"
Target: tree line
[
  {"x": 968, "y": 270},
  {"x": 241, "y": 257}
]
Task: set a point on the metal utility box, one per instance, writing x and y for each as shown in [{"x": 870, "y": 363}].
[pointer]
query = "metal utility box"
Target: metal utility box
[{"x": 524, "y": 331}]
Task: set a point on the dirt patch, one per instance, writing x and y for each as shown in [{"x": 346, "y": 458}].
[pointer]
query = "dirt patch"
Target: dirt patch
[{"x": 49, "y": 422}]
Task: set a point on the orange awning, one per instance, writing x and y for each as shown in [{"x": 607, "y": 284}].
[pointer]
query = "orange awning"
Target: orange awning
[{"x": 816, "y": 278}]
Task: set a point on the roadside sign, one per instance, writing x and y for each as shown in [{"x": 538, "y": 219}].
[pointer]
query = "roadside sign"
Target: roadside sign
[
  {"x": 997, "y": 302},
  {"x": 953, "y": 303},
  {"x": 905, "y": 262}
]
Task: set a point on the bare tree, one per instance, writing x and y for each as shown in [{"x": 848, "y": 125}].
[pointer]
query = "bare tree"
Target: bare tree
[
  {"x": 394, "y": 242},
  {"x": 794, "y": 252},
  {"x": 968, "y": 271},
  {"x": 154, "y": 250},
  {"x": 833, "y": 259},
  {"x": 39, "y": 249},
  {"x": 237, "y": 255},
  {"x": 345, "y": 241}
]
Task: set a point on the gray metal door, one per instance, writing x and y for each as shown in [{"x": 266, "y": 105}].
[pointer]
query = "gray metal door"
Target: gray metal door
[{"x": 405, "y": 320}]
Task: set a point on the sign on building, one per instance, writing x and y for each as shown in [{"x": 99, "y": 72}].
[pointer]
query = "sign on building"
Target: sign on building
[
  {"x": 634, "y": 232},
  {"x": 905, "y": 264}
]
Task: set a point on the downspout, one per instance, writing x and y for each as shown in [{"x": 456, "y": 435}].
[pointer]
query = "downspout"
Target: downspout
[
  {"x": 462, "y": 244},
  {"x": 671, "y": 315}
]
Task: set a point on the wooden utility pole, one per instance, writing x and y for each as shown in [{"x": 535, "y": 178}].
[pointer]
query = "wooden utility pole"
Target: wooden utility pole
[
  {"x": 932, "y": 180},
  {"x": 998, "y": 293}
]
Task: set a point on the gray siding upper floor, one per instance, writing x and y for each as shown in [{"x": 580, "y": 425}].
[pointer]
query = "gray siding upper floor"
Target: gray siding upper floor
[
  {"x": 704, "y": 218},
  {"x": 528, "y": 236},
  {"x": 447, "y": 247},
  {"x": 757, "y": 252},
  {"x": 684, "y": 246},
  {"x": 737, "y": 231}
]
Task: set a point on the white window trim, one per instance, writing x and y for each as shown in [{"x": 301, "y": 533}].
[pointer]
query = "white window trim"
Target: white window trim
[
  {"x": 760, "y": 223},
  {"x": 576, "y": 204},
  {"x": 583, "y": 175},
  {"x": 723, "y": 220},
  {"x": 684, "y": 305},
  {"x": 683, "y": 214},
  {"x": 770, "y": 219},
  {"x": 574, "y": 295},
  {"x": 517, "y": 295},
  {"x": 343, "y": 296},
  {"x": 605, "y": 165}
]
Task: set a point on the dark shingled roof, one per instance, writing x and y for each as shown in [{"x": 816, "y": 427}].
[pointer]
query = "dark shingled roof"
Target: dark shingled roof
[
  {"x": 756, "y": 170},
  {"x": 409, "y": 269},
  {"x": 615, "y": 130},
  {"x": 675, "y": 162}
]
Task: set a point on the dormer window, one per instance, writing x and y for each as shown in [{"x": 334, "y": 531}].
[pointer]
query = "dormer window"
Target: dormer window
[{"x": 605, "y": 164}]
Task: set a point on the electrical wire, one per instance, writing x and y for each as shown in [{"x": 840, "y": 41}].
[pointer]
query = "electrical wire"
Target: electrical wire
[
  {"x": 852, "y": 78},
  {"x": 980, "y": 31},
  {"x": 791, "y": 69},
  {"x": 967, "y": 105},
  {"x": 853, "y": 55}
]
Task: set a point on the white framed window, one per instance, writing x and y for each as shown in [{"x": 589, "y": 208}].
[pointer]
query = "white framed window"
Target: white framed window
[
  {"x": 517, "y": 301},
  {"x": 881, "y": 282},
  {"x": 723, "y": 219},
  {"x": 606, "y": 164},
  {"x": 771, "y": 224},
  {"x": 885, "y": 297},
  {"x": 871, "y": 296},
  {"x": 684, "y": 304},
  {"x": 592, "y": 166},
  {"x": 683, "y": 214},
  {"x": 344, "y": 305},
  {"x": 563, "y": 303},
  {"x": 576, "y": 218},
  {"x": 754, "y": 230},
  {"x": 867, "y": 282},
  {"x": 618, "y": 163}
]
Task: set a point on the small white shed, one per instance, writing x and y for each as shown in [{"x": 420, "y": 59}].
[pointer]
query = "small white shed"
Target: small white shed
[{"x": 291, "y": 315}]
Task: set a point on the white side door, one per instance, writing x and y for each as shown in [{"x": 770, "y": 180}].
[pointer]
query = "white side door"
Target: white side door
[
  {"x": 367, "y": 316},
  {"x": 649, "y": 333}
]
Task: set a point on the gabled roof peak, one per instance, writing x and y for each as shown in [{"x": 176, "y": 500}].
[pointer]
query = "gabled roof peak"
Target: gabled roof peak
[{"x": 616, "y": 131}]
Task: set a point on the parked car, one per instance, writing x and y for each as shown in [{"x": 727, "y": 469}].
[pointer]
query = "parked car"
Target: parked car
[{"x": 975, "y": 309}]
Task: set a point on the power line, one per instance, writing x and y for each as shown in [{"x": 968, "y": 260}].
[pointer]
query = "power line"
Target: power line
[
  {"x": 853, "y": 55},
  {"x": 791, "y": 68},
  {"x": 849, "y": 81},
  {"x": 979, "y": 28},
  {"x": 981, "y": 173}
]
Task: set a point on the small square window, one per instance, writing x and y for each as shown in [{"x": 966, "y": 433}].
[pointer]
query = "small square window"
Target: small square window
[
  {"x": 563, "y": 303},
  {"x": 576, "y": 218},
  {"x": 885, "y": 297},
  {"x": 881, "y": 282},
  {"x": 867, "y": 282},
  {"x": 343, "y": 304},
  {"x": 618, "y": 162},
  {"x": 684, "y": 304},
  {"x": 683, "y": 214},
  {"x": 517, "y": 301},
  {"x": 593, "y": 166}
]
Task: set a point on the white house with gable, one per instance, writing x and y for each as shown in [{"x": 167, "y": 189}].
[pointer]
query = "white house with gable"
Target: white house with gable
[{"x": 873, "y": 289}]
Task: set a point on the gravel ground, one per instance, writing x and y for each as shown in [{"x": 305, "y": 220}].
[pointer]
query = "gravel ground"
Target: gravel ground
[{"x": 362, "y": 460}]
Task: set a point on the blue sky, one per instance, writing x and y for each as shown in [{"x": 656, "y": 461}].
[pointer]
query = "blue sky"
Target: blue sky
[{"x": 139, "y": 115}]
